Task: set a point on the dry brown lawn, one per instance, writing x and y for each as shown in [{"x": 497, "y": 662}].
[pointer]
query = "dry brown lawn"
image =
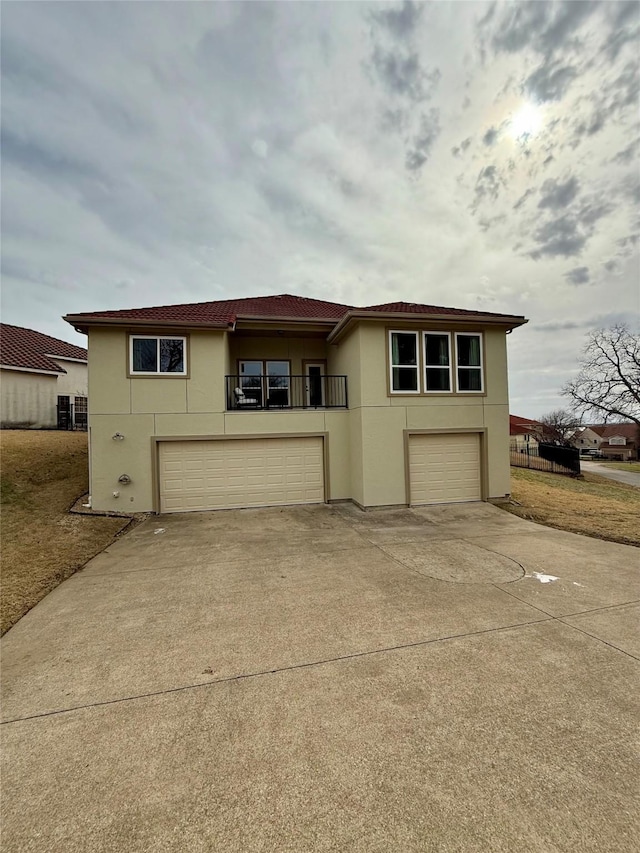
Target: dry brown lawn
[
  {"x": 43, "y": 473},
  {"x": 593, "y": 506}
]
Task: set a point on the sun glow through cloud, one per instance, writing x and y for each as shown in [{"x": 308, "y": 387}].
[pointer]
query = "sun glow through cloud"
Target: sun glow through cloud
[{"x": 525, "y": 122}]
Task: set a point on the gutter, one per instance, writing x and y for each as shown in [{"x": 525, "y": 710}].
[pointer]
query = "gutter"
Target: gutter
[{"x": 81, "y": 324}]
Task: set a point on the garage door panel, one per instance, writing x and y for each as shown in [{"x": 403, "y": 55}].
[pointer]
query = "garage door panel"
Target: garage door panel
[
  {"x": 199, "y": 475},
  {"x": 444, "y": 468}
]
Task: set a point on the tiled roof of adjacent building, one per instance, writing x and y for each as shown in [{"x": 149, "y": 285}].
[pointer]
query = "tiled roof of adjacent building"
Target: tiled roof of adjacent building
[
  {"x": 29, "y": 349},
  {"x": 226, "y": 312},
  {"x": 522, "y": 426},
  {"x": 607, "y": 431}
]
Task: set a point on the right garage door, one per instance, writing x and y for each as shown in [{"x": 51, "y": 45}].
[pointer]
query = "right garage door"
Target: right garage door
[{"x": 444, "y": 468}]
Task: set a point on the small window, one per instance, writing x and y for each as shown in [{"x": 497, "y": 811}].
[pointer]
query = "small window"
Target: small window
[
  {"x": 404, "y": 362},
  {"x": 437, "y": 358},
  {"x": 469, "y": 362},
  {"x": 153, "y": 355}
]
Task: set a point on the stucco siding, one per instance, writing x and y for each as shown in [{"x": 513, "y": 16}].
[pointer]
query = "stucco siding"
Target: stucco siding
[
  {"x": 499, "y": 472},
  {"x": 339, "y": 448},
  {"x": 209, "y": 359},
  {"x": 441, "y": 414},
  {"x": 111, "y": 458},
  {"x": 373, "y": 358},
  {"x": 189, "y": 423},
  {"x": 133, "y": 455},
  {"x": 109, "y": 387},
  {"x": 383, "y": 455},
  {"x": 75, "y": 381},
  {"x": 28, "y": 399},
  {"x": 345, "y": 360},
  {"x": 295, "y": 350},
  {"x": 157, "y": 394},
  {"x": 365, "y": 444},
  {"x": 242, "y": 423}
]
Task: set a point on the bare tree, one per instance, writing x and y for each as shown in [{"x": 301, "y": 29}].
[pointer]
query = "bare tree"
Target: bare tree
[
  {"x": 560, "y": 425},
  {"x": 607, "y": 386}
]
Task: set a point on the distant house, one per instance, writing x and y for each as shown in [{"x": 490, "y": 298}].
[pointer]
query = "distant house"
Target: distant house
[
  {"x": 618, "y": 441},
  {"x": 586, "y": 439},
  {"x": 525, "y": 432},
  {"x": 43, "y": 381}
]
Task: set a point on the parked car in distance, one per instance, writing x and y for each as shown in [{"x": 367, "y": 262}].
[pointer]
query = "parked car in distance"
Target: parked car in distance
[{"x": 592, "y": 454}]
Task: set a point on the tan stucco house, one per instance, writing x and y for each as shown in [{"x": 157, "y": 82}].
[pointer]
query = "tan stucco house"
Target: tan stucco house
[
  {"x": 282, "y": 400},
  {"x": 43, "y": 381}
]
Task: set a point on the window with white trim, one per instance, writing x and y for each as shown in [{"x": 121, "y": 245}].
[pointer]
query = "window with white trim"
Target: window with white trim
[
  {"x": 437, "y": 362},
  {"x": 403, "y": 356},
  {"x": 469, "y": 362},
  {"x": 154, "y": 355}
]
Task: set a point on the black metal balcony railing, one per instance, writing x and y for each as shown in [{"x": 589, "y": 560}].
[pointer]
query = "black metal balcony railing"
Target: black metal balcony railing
[{"x": 286, "y": 392}]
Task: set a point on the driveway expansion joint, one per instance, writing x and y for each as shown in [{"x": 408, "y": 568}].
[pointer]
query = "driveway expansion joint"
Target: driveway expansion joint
[{"x": 262, "y": 673}]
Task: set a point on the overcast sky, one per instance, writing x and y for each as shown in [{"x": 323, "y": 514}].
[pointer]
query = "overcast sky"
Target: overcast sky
[{"x": 476, "y": 155}]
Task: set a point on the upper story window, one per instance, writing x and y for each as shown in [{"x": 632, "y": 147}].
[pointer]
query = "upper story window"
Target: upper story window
[
  {"x": 437, "y": 359},
  {"x": 154, "y": 355},
  {"x": 469, "y": 362},
  {"x": 447, "y": 362},
  {"x": 403, "y": 353},
  {"x": 270, "y": 378}
]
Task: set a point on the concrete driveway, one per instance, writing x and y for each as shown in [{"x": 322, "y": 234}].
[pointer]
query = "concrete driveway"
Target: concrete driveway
[
  {"x": 322, "y": 679},
  {"x": 631, "y": 478}
]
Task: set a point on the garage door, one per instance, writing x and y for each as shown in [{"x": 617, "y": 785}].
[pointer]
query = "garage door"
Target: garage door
[
  {"x": 226, "y": 474},
  {"x": 444, "y": 468}
]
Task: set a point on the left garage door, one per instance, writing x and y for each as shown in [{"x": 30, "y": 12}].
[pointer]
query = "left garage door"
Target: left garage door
[{"x": 236, "y": 473}]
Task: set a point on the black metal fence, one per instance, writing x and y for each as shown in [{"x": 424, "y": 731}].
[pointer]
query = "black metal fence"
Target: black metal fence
[
  {"x": 286, "y": 392},
  {"x": 546, "y": 457}
]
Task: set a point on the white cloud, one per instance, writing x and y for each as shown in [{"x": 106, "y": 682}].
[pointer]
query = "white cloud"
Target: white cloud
[{"x": 156, "y": 153}]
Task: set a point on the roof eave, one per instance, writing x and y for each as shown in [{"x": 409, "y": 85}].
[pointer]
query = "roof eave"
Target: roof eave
[
  {"x": 82, "y": 324},
  {"x": 508, "y": 321},
  {"x": 66, "y": 358},
  {"x": 41, "y": 370},
  {"x": 305, "y": 321}
]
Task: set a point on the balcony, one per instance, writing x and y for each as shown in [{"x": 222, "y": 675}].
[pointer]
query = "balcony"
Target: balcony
[{"x": 278, "y": 392}]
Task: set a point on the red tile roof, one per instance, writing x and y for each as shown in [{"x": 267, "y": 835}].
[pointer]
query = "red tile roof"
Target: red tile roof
[
  {"x": 607, "y": 431},
  {"x": 522, "y": 426},
  {"x": 226, "y": 311},
  {"x": 416, "y": 308},
  {"x": 285, "y": 306},
  {"x": 27, "y": 348}
]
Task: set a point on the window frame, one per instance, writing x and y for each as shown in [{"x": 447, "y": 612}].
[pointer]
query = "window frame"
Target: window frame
[
  {"x": 264, "y": 377},
  {"x": 425, "y": 365},
  {"x": 479, "y": 367},
  {"x": 183, "y": 374},
  {"x": 416, "y": 335}
]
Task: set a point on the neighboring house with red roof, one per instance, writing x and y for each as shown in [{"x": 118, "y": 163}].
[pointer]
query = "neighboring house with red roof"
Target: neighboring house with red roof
[
  {"x": 618, "y": 441},
  {"x": 283, "y": 399},
  {"x": 525, "y": 431},
  {"x": 43, "y": 380}
]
